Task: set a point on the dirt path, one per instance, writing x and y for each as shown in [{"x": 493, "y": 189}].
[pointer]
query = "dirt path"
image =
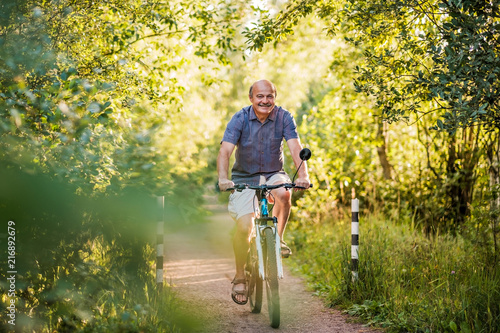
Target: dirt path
[{"x": 200, "y": 266}]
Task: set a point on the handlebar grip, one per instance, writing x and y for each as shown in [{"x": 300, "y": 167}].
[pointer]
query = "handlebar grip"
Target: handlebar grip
[
  {"x": 218, "y": 190},
  {"x": 302, "y": 187},
  {"x": 237, "y": 187}
]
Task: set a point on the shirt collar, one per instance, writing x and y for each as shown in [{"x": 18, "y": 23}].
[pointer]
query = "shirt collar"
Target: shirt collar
[{"x": 272, "y": 115}]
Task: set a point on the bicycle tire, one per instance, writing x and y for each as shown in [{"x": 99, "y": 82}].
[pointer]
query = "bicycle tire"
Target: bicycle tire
[
  {"x": 255, "y": 285},
  {"x": 272, "y": 286}
]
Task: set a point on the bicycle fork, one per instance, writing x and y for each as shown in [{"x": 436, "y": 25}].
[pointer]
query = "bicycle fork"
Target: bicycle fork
[
  {"x": 259, "y": 231},
  {"x": 277, "y": 246}
]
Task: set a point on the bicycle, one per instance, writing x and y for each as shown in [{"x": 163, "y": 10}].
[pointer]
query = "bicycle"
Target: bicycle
[{"x": 264, "y": 256}]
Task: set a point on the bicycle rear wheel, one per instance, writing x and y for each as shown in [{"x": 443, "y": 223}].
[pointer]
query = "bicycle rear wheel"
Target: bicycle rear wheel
[
  {"x": 272, "y": 286},
  {"x": 254, "y": 281}
]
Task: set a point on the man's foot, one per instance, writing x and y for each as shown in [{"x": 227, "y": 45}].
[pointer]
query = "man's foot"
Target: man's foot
[
  {"x": 239, "y": 294},
  {"x": 285, "y": 250}
]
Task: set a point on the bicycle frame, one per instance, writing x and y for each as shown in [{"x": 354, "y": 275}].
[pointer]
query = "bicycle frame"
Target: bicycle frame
[{"x": 260, "y": 224}]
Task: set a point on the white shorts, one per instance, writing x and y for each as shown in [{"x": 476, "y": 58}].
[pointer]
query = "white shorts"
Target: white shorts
[{"x": 245, "y": 202}]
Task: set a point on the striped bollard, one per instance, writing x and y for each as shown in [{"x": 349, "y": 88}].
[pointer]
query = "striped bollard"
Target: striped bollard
[
  {"x": 354, "y": 239},
  {"x": 159, "y": 242}
]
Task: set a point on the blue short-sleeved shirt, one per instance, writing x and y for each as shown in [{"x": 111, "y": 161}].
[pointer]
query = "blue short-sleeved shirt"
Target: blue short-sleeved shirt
[{"x": 259, "y": 145}]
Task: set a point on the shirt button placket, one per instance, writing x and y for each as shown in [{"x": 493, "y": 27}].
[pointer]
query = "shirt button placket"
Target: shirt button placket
[{"x": 261, "y": 148}]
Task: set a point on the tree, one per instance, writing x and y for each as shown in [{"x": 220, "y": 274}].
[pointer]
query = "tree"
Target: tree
[
  {"x": 420, "y": 58},
  {"x": 440, "y": 51},
  {"x": 92, "y": 98},
  {"x": 77, "y": 74}
]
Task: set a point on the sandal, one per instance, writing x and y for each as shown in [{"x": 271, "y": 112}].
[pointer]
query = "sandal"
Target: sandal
[
  {"x": 235, "y": 293},
  {"x": 285, "y": 250}
]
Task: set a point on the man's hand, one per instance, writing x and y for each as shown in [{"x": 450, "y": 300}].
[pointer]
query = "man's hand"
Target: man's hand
[
  {"x": 224, "y": 184},
  {"x": 303, "y": 182}
]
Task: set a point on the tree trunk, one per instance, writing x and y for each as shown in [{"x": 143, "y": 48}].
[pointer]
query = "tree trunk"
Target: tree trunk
[
  {"x": 493, "y": 153},
  {"x": 462, "y": 161},
  {"x": 382, "y": 149}
]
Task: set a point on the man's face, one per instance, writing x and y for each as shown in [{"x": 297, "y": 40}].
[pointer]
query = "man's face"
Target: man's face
[{"x": 262, "y": 98}]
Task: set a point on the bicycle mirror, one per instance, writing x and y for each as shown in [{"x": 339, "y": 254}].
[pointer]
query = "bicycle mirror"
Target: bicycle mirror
[{"x": 305, "y": 154}]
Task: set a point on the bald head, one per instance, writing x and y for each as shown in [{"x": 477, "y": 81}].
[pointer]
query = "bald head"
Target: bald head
[{"x": 262, "y": 83}]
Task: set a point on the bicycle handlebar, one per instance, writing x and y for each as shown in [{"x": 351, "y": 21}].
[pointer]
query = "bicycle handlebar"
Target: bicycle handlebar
[{"x": 241, "y": 187}]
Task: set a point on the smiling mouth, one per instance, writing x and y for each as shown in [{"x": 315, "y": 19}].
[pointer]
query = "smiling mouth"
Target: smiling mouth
[{"x": 265, "y": 105}]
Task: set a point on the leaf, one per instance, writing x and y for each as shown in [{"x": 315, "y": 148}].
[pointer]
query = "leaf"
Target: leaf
[
  {"x": 94, "y": 107},
  {"x": 440, "y": 124}
]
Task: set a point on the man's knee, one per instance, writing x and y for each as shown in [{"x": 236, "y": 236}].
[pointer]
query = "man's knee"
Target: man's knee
[
  {"x": 283, "y": 197},
  {"x": 244, "y": 225}
]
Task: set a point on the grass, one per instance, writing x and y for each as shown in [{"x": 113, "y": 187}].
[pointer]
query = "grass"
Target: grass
[
  {"x": 97, "y": 295},
  {"x": 408, "y": 282}
]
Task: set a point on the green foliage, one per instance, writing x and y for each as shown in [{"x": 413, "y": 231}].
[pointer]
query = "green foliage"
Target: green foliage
[
  {"x": 407, "y": 282},
  {"x": 90, "y": 129},
  {"x": 83, "y": 264},
  {"x": 118, "y": 97},
  {"x": 443, "y": 52},
  {"x": 439, "y": 51},
  {"x": 278, "y": 27},
  {"x": 93, "y": 83},
  {"x": 430, "y": 64}
]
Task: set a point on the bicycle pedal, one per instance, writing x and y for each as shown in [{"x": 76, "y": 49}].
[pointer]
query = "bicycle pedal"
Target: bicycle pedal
[
  {"x": 285, "y": 250},
  {"x": 285, "y": 255}
]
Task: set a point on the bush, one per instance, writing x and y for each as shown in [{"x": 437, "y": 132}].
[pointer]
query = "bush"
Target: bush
[
  {"x": 83, "y": 264},
  {"x": 407, "y": 281}
]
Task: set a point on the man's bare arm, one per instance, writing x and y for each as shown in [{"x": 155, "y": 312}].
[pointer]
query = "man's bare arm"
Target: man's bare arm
[{"x": 225, "y": 152}]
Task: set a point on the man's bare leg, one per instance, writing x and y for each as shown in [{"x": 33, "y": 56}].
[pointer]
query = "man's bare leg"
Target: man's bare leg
[
  {"x": 282, "y": 206},
  {"x": 241, "y": 244}
]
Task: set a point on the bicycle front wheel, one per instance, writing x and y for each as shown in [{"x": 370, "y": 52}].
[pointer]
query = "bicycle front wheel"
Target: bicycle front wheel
[
  {"x": 254, "y": 281},
  {"x": 272, "y": 286}
]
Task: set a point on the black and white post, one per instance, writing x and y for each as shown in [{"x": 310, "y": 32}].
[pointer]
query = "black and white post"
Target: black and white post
[
  {"x": 159, "y": 241},
  {"x": 354, "y": 239}
]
